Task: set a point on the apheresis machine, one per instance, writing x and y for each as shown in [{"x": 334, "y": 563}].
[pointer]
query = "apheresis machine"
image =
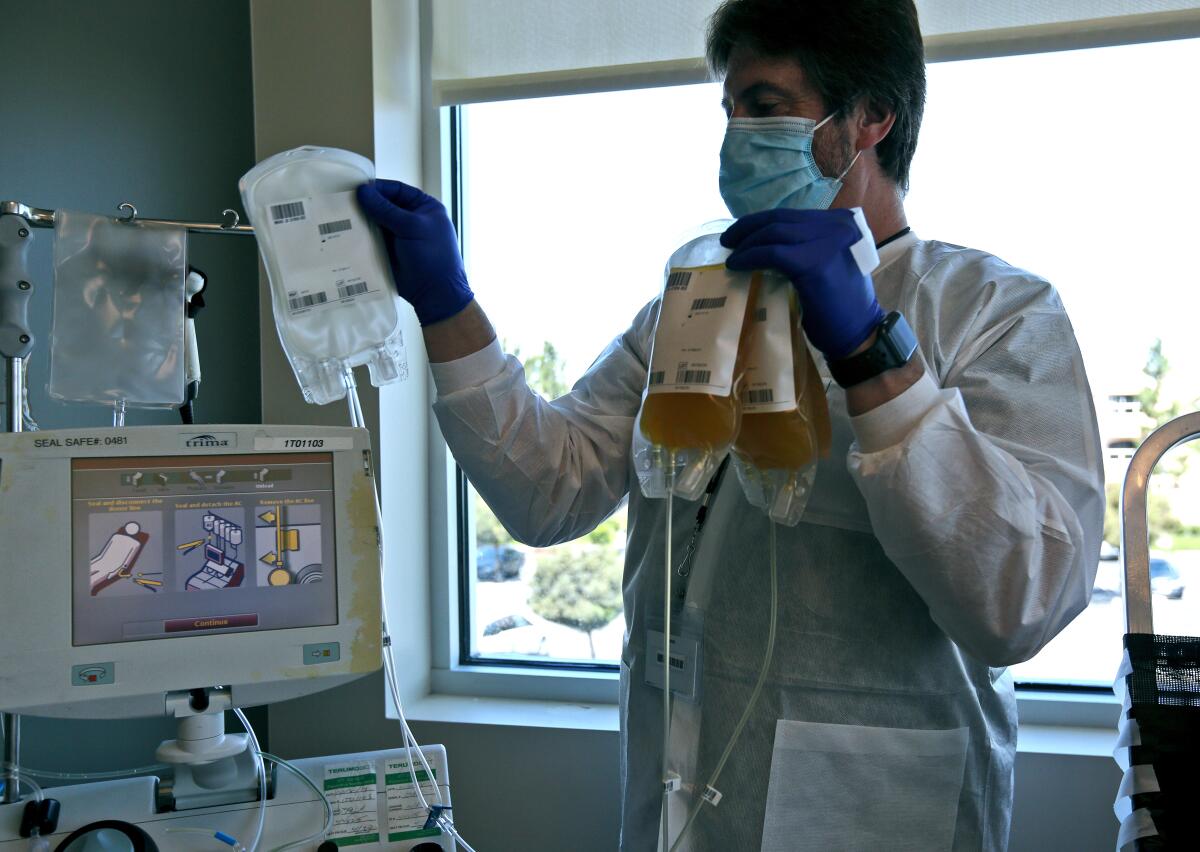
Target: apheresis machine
[{"x": 185, "y": 571}]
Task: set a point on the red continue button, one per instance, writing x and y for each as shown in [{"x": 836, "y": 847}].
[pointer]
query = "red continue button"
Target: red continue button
[{"x": 210, "y": 622}]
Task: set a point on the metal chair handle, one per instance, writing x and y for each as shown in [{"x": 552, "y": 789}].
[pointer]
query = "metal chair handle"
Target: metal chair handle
[{"x": 1135, "y": 532}]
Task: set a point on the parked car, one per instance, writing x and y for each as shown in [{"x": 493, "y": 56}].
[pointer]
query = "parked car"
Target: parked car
[
  {"x": 1108, "y": 580},
  {"x": 509, "y": 622},
  {"x": 1165, "y": 579},
  {"x": 497, "y": 564}
]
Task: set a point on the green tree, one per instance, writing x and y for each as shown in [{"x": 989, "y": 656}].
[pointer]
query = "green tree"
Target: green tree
[
  {"x": 544, "y": 372},
  {"x": 1153, "y": 406},
  {"x": 488, "y": 529},
  {"x": 1158, "y": 410},
  {"x": 578, "y": 587},
  {"x": 609, "y": 530},
  {"x": 1160, "y": 520}
]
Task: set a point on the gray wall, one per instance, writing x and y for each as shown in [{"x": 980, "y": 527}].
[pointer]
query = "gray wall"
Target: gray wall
[
  {"x": 1064, "y": 802},
  {"x": 150, "y": 102}
]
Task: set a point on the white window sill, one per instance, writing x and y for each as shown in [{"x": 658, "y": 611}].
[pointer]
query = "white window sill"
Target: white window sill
[
  {"x": 514, "y": 712},
  {"x": 530, "y": 683},
  {"x": 1067, "y": 723},
  {"x": 1066, "y": 741},
  {"x": 1055, "y": 723}
]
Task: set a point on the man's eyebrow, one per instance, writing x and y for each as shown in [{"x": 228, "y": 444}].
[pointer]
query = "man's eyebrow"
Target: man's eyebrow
[{"x": 756, "y": 90}]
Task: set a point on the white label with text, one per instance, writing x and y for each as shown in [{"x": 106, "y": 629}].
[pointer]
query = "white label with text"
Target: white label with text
[
  {"x": 699, "y": 323},
  {"x": 769, "y": 384},
  {"x": 324, "y": 444},
  {"x": 322, "y": 240}
]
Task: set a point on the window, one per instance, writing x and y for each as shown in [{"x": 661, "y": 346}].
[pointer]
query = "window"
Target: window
[
  {"x": 1066, "y": 164},
  {"x": 1014, "y": 159},
  {"x": 571, "y": 206}
]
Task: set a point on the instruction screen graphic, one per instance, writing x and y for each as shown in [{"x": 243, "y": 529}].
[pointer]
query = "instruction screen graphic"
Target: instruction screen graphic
[
  {"x": 211, "y": 558},
  {"x": 125, "y": 564},
  {"x": 289, "y": 545},
  {"x": 178, "y": 546}
]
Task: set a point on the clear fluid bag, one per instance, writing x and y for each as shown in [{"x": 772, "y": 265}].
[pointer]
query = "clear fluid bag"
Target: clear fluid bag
[
  {"x": 117, "y": 335},
  {"x": 785, "y": 425},
  {"x": 690, "y": 406},
  {"x": 331, "y": 286}
]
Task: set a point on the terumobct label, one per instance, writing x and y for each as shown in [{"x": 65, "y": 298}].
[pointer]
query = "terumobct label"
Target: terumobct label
[
  {"x": 352, "y": 792},
  {"x": 406, "y": 817},
  {"x": 769, "y": 382},
  {"x": 696, "y": 340},
  {"x": 321, "y": 241}
]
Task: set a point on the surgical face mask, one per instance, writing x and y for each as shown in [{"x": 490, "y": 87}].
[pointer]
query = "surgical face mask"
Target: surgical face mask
[{"x": 768, "y": 163}]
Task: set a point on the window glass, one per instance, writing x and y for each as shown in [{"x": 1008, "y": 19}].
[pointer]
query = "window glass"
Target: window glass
[
  {"x": 572, "y": 206},
  {"x": 1067, "y": 164}
]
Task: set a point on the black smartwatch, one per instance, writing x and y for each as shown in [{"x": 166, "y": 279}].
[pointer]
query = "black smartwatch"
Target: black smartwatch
[{"x": 894, "y": 345}]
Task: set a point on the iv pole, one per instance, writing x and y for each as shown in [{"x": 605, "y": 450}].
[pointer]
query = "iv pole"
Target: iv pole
[
  {"x": 15, "y": 387},
  {"x": 16, "y": 343}
]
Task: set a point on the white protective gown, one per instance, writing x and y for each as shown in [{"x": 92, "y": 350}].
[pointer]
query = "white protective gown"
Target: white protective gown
[{"x": 952, "y": 532}]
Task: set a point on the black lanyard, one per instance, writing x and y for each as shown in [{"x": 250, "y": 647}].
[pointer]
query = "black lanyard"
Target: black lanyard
[
  {"x": 684, "y": 569},
  {"x": 892, "y": 238}
]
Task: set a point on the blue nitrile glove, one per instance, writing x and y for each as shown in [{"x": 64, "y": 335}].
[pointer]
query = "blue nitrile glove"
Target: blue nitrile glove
[
  {"x": 422, "y": 247},
  {"x": 812, "y": 248}
]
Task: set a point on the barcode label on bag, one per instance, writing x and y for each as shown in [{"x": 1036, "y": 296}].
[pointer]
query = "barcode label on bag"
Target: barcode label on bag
[
  {"x": 684, "y": 376},
  {"x": 300, "y": 303},
  {"x": 699, "y": 323},
  {"x": 677, "y": 281},
  {"x": 345, "y": 291},
  {"x": 769, "y": 379},
  {"x": 331, "y": 263},
  {"x": 292, "y": 211}
]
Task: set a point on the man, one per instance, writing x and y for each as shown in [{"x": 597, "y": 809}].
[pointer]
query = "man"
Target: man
[{"x": 952, "y": 532}]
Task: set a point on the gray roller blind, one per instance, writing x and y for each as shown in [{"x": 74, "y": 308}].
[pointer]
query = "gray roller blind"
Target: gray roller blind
[{"x": 494, "y": 49}]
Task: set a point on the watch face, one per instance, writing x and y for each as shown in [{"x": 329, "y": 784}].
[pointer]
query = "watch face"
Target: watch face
[
  {"x": 892, "y": 348},
  {"x": 900, "y": 336}
]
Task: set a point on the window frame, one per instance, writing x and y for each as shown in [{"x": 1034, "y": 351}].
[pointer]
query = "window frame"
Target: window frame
[
  {"x": 466, "y": 567},
  {"x": 457, "y": 672}
]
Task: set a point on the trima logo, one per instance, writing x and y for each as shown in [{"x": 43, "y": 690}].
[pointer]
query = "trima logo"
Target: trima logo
[{"x": 219, "y": 440}]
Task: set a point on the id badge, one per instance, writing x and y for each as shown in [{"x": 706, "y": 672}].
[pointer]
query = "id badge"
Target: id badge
[{"x": 685, "y": 655}]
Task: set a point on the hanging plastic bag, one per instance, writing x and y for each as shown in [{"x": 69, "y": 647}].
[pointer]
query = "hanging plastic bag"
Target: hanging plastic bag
[
  {"x": 117, "y": 331},
  {"x": 331, "y": 288},
  {"x": 785, "y": 424},
  {"x": 690, "y": 407}
]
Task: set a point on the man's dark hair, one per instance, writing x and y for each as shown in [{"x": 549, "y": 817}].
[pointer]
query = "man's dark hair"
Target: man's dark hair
[{"x": 848, "y": 49}]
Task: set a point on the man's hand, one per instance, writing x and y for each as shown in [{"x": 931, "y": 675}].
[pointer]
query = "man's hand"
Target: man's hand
[
  {"x": 422, "y": 247},
  {"x": 812, "y": 249}
]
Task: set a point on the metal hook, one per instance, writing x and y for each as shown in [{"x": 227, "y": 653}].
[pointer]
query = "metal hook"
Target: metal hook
[
  {"x": 130, "y": 210},
  {"x": 231, "y": 219}
]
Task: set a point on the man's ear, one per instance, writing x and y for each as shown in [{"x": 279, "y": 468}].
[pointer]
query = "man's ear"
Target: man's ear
[{"x": 873, "y": 121}]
